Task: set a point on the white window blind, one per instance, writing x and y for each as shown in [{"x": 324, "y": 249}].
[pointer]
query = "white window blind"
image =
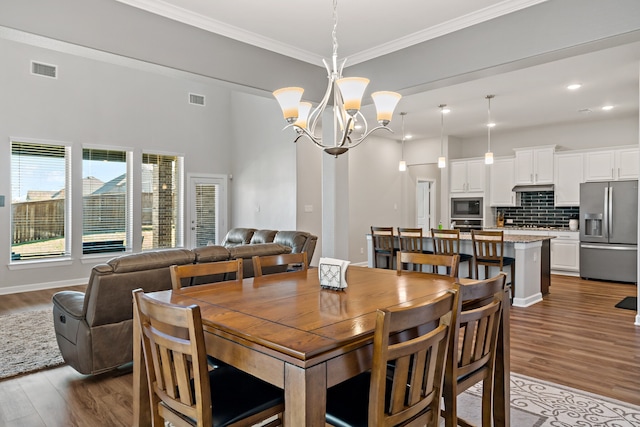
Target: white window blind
[
  {"x": 40, "y": 189},
  {"x": 206, "y": 196},
  {"x": 104, "y": 201},
  {"x": 161, "y": 201}
]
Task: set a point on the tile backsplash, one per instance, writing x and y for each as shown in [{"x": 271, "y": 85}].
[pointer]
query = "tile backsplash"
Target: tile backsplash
[{"x": 537, "y": 209}]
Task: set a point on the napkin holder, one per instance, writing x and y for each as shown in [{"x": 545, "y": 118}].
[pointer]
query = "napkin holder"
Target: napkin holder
[{"x": 332, "y": 273}]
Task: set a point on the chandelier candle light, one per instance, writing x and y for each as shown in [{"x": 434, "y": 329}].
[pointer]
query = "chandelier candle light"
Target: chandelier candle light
[
  {"x": 347, "y": 97},
  {"x": 488, "y": 156}
]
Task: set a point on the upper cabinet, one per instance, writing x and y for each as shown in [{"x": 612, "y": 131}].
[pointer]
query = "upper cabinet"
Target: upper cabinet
[
  {"x": 568, "y": 176},
  {"x": 467, "y": 176},
  {"x": 611, "y": 165},
  {"x": 501, "y": 175},
  {"x": 534, "y": 165}
]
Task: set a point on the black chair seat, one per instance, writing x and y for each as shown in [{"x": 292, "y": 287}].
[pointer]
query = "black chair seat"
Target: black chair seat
[
  {"x": 237, "y": 395},
  {"x": 465, "y": 257}
]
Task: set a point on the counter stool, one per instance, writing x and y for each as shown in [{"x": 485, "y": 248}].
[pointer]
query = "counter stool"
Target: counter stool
[
  {"x": 410, "y": 240},
  {"x": 447, "y": 242},
  {"x": 383, "y": 245},
  {"x": 488, "y": 251}
]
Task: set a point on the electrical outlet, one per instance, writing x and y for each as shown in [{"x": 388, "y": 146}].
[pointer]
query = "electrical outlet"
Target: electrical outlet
[
  {"x": 509, "y": 221},
  {"x": 361, "y": 250}
]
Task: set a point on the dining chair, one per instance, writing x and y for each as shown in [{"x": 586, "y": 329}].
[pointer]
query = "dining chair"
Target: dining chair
[
  {"x": 279, "y": 263},
  {"x": 447, "y": 242},
  {"x": 488, "y": 251},
  {"x": 450, "y": 262},
  {"x": 383, "y": 245},
  {"x": 473, "y": 346},
  {"x": 404, "y": 385},
  {"x": 206, "y": 272},
  {"x": 183, "y": 390},
  {"x": 410, "y": 240}
]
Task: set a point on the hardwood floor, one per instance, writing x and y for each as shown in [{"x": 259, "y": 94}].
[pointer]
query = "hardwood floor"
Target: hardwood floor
[{"x": 575, "y": 337}]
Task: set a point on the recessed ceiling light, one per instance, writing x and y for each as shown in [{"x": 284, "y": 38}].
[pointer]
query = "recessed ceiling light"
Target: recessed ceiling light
[
  {"x": 408, "y": 136},
  {"x": 491, "y": 125},
  {"x": 607, "y": 107},
  {"x": 574, "y": 86},
  {"x": 446, "y": 110}
]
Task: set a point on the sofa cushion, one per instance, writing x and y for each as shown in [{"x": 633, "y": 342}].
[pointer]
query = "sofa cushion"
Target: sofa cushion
[
  {"x": 238, "y": 236},
  {"x": 260, "y": 249},
  {"x": 211, "y": 253},
  {"x": 151, "y": 260},
  {"x": 263, "y": 236},
  {"x": 294, "y": 239}
]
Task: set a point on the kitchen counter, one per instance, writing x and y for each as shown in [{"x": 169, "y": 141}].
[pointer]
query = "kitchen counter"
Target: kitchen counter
[{"x": 531, "y": 253}]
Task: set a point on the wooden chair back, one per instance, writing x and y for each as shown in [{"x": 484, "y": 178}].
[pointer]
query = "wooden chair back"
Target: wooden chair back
[
  {"x": 410, "y": 239},
  {"x": 261, "y": 264},
  {"x": 446, "y": 242},
  {"x": 451, "y": 262},
  {"x": 175, "y": 359},
  {"x": 383, "y": 245},
  {"x": 488, "y": 248},
  {"x": 213, "y": 272},
  {"x": 473, "y": 345},
  {"x": 408, "y": 369}
]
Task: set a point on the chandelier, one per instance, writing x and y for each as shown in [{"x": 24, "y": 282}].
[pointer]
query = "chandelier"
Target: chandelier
[{"x": 346, "y": 93}]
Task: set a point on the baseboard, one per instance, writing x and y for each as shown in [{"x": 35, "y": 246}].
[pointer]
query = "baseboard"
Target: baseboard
[
  {"x": 526, "y": 302},
  {"x": 42, "y": 286}
]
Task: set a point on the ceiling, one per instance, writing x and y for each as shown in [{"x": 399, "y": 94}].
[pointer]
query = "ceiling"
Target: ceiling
[{"x": 530, "y": 97}]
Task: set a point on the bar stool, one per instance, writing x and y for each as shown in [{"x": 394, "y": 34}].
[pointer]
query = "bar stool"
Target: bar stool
[
  {"x": 383, "y": 245},
  {"x": 410, "y": 240},
  {"x": 447, "y": 242},
  {"x": 488, "y": 250}
]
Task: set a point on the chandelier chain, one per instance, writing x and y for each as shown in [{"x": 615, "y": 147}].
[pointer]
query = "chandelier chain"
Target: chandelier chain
[{"x": 334, "y": 33}]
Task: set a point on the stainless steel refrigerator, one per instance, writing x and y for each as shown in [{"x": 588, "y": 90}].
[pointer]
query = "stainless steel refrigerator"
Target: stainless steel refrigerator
[{"x": 609, "y": 230}]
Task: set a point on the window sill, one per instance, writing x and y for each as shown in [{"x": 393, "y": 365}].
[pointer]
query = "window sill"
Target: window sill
[{"x": 40, "y": 263}]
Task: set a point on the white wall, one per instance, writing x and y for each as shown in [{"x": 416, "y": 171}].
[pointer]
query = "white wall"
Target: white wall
[{"x": 111, "y": 101}]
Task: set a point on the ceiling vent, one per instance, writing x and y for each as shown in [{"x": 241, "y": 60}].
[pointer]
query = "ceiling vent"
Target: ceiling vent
[
  {"x": 45, "y": 70},
  {"x": 196, "y": 99}
]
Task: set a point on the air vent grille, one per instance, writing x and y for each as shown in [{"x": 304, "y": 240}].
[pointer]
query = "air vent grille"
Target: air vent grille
[
  {"x": 196, "y": 99},
  {"x": 45, "y": 70}
]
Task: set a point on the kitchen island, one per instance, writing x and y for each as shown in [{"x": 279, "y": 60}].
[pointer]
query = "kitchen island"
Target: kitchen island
[{"x": 531, "y": 253}]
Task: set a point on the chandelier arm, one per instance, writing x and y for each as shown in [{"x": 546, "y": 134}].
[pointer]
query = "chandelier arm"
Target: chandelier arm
[
  {"x": 361, "y": 139},
  {"x": 312, "y": 138}
]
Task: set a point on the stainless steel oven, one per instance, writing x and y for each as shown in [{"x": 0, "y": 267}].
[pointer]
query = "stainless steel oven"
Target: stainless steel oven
[{"x": 466, "y": 208}]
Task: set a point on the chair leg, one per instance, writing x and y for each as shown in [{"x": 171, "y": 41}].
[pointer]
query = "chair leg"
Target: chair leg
[{"x": 513, "y": 280}]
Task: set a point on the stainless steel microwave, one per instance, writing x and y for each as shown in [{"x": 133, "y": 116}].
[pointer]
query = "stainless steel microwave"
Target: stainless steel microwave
[{"x": 466, "y": 208}]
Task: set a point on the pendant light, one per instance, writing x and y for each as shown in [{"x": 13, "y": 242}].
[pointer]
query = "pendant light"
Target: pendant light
[
  {"x": 402, "y": 166},
  {"x": 442, "y": 161},
  {"x": 488, "y": 156}
]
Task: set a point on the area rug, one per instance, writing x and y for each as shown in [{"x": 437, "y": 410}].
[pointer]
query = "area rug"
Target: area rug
[
  {"x": 537, "y": 403},
  {"x": 28, "y": 343},
  {"x": 630, "y": 303}
]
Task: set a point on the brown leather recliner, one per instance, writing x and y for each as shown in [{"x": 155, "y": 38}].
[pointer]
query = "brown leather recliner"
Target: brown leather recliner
[{"x": 94, "y": 329}]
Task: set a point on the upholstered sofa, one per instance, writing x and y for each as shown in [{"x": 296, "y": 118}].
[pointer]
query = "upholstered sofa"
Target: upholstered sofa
[{"x": 94, "y": 329}]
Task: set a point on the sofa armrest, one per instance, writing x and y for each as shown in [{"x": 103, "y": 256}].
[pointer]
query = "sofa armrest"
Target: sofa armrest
[
  {"x": 238, "y": 236},
  {"x": 71, "y": 302}
]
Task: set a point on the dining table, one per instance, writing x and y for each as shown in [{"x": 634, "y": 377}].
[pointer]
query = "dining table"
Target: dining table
[{"x": 287, "y": 330}]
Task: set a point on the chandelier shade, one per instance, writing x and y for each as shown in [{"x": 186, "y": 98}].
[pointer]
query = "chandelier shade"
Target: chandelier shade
[{"x": 346, "y": 94}]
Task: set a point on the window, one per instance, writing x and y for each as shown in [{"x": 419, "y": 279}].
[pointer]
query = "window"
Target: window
[
  {"x": 40, "y": 194},
  {"x": 161, "y": 201},
  {"x": 104, "y": 201}
]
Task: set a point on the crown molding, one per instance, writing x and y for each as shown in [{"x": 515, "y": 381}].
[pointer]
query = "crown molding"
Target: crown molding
[{"x": 203, "y": 22}]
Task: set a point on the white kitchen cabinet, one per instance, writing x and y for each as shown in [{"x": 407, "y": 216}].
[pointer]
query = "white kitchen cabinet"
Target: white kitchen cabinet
[
  {"x": 626, "y": 163},
  {"x": 611, "y": 165},
  {"x": 567, "y": 177},
  {"x": 467, "y": 176},
  {"x": 534, "y": 165},
  {"x": 501, "y": 177},
  {"x": 565, "y": 252}
]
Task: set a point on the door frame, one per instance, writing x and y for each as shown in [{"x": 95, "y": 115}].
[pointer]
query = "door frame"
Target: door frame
[
  {"x": 432, "y": 201},
  {"x": 222, "y": 210}
]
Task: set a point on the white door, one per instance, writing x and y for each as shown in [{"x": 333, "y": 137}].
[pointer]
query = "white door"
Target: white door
[
  {"x": 423, "y": 207},
  {"x": 207, "y": 210}
]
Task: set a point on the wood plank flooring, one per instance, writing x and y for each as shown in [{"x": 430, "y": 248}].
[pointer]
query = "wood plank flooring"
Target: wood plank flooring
[{"x": 575, "y": 337}]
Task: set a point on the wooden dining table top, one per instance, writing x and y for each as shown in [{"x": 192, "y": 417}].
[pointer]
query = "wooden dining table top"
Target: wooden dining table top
[{"x": 290, "y": 314}]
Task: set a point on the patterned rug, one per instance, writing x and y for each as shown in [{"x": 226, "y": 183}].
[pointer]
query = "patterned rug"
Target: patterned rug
[
  {"x": 537, "y": 403},
  {"x": 28, "y": 343}
]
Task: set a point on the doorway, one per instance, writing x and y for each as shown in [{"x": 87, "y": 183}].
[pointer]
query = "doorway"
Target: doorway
[
  {"x": 425, "y": 205},
  {"x": 207, "y": 209}
]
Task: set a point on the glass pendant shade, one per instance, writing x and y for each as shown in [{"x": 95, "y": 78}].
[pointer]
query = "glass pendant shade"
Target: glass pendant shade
[
  {"x": 442, "y": 162},
  {"x": 385, "y": 103},
  {"x": 304, "y": 108},
  {"x": 488, "y": 158},
  {"x": 352, "y": 90},
  {"x": 402, "y": 166},
  {"x": 289, "y": 100}
]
